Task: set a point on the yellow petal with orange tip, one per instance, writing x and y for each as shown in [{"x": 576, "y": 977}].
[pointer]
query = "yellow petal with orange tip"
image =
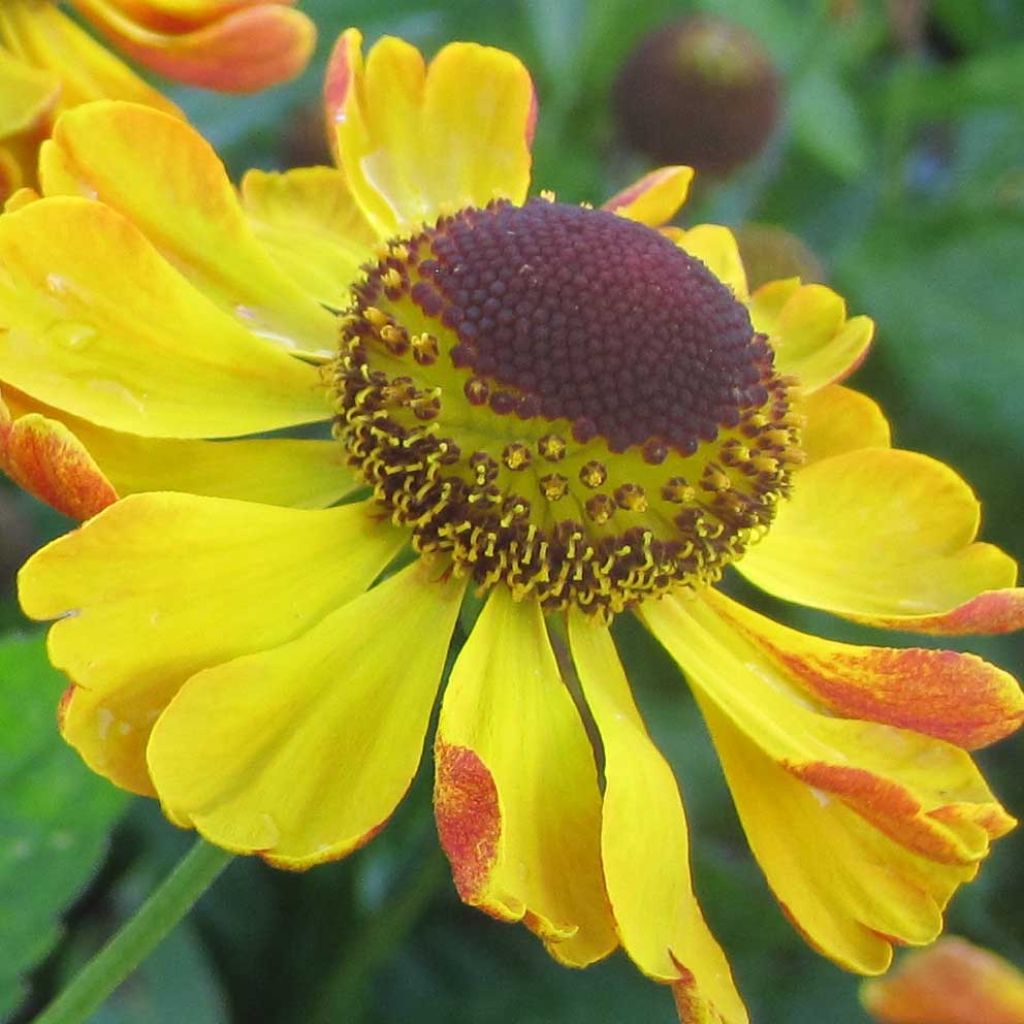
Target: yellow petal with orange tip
[
  {"x": 882, "y": 536},
  {"x": 302, "y": 752},
  {"x": 45, "y": 37},
  {"x": 925, "y": 794},
  {"x": 516, "y": 797},
  {"x": 151, "y": 357},
  {"x": 176, "y": 191},
  {"x": 715, "y": 246},
  {"x": 945, "y": 694},
  {"x": 246, "y": 47},
  {"x": 193, "y": 582},
  {"x": 838, "y": 420},
  {"x": 416, "y": 141},
  {"x": 297, "y": 473},
  {"x": 655, "y": 199},
  {"x": 809, "y": 330},
  {"x": 644, "y": 843},
  {"x": 309, "y": 222},
  {"x": 952, "y": 982},
  {"x": 46, "y": 459},
  {"x": 848, "y": 888}
]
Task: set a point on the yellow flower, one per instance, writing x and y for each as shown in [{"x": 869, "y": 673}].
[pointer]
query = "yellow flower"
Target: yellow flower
[
  {"x": 952, "y": 982},
  {"x": 567, "y": 411},
  {"x": 49, "y": 64}
]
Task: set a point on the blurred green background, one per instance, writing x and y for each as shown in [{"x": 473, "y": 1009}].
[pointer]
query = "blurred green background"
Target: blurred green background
[{"x": 899, "y": 160}]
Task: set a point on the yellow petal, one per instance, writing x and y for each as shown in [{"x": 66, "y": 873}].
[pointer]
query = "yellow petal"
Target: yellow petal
[
  {"x": 516, "y": 798},
  {"x": 309, "y": 222},
  {"x": 878, "y": 535},
  {"x": 809, "y": 331},
  {"x": 953, "y": 982},
  {"x": 849, "y": 889},
  {"x": 841, "y": 420},
  {"x": 176, "y": 191},
  {"x": 301, "y": 753},
  {"x": 161, "y": 585},
  {"x": 656, "y": 198},
  {"x": 644, "y": 841},
  {"x": 952, "y": 696},
  {"x": 46, "y": 459},
  {"x": 299, "y": 473},
  {"x": 27, "y": 95},
  {"x": 923, "y": 793},
  {"x": 99, "y": 325},
  {"x": 43, "y": 36},
  {"x": 991, "y": 612},
  {"x": 415, "y": 141},
  {"x": 238, "y": 51},
  {"x": 715, "y": 246}
]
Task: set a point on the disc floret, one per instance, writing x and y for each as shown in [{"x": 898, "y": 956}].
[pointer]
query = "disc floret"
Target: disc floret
[{"x": 562, "y": 401}]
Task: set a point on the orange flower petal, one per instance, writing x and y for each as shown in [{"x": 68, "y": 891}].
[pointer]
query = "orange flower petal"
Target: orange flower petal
[
  {"x": 309, "y": 222},
  {"x": 656, "y": 198},
  {"x": 879, "y": 535},
  {"x": 47, "y": 460},
  {"x": 151, "y": 357},
  {"x": 951, "y": 696},
  {"x": 953, "y": 982},
  {"x": 644, "y": 842},
  {"x": 176, "y": 191},
  {"x": 242, "y": 50},
  {"x": 133, "y": 628},
  {"x": 416, "y": 141},
  {"x": 301, "y": 753},
  {"x": 991, "y": 612},
  {"x": 516, "y": 797}
]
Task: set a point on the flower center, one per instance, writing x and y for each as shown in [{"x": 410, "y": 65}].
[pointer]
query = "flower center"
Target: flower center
[{"x": 564, "y": 401}]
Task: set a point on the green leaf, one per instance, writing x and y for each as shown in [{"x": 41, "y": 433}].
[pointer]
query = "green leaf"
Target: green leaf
[
  {"x": 54, "y": 814},
  {"x": 827, "y": 123}
]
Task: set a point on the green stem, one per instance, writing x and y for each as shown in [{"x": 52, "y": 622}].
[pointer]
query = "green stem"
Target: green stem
[{"x": 139, "y": 937}]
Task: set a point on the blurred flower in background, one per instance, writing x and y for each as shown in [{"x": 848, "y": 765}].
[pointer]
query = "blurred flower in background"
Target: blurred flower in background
[
  {"x": 48, "y": 63},
  {"x": 952, "y": 982},
  {"x": 701, "y": 91},
  {"x": 156, "y": 321}
]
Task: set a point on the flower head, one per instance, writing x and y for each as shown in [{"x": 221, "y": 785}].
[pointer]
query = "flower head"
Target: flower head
[
  {"x": 49, "y": 64},
  {"x": 576, "y": 414}
]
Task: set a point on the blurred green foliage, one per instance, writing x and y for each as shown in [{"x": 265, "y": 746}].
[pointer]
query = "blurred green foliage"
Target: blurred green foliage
[{"x": 901, "y": 163}]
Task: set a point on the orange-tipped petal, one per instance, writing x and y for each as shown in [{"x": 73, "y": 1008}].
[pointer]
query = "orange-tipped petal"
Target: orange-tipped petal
[
  {"x": 655, "y": 199},
  {"x": 242, "y": 50},
  {"x": 516, "y": 797},
  {"x": 953, "y": 982},
  {"x": 302, "y": 753},
  {"x": 946, "y": 694},
  {"x": 50, "y": 462},
  {"x": 644, "y": 843},
  {"x": 302, "y": 473},
  {"x": 907, "y": 817},
  {"x": 135, "y": 626},
  {"x": 416, "y": 141},
  {"x": 176, "y": 191},
  {"x": 883, "y": 536}
]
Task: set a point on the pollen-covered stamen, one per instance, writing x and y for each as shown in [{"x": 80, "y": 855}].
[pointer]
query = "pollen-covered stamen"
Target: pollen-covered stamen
[{"x": 564, "y": 401}]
